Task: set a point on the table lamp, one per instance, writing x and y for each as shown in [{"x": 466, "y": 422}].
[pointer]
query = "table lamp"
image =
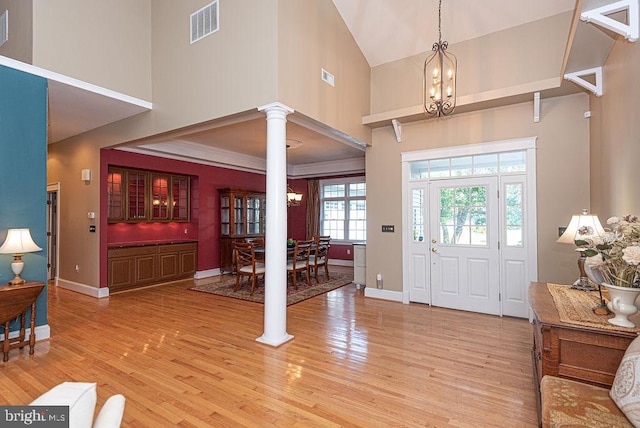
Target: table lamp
[
  {"x": 583, "y": 226},
  {"x": 18, "y": 242}
]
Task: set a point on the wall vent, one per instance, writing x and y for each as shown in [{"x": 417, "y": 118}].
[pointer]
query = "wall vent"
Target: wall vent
[
  {"x": 204, "y": 22},
  {"x": 4, "y": 27},
  {"x": 328, "y": 77}
]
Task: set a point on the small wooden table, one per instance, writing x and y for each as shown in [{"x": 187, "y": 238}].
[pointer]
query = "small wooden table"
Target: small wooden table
[{"x": 14, "y": 302}]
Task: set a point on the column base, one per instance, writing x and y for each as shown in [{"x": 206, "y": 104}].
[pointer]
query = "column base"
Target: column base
[{"x": 275, "y": 342}]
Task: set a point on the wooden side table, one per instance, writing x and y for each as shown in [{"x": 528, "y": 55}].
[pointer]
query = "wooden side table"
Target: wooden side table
[{"x": 14, "y": 302}]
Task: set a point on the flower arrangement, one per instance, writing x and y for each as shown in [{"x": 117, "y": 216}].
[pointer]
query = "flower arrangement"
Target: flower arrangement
[{"x": 616, "y": 254}]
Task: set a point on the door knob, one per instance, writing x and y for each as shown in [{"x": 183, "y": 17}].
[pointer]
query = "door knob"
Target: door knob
[
  {"x": 434, "y": 250},
  {"x": 433, "y": 241}
]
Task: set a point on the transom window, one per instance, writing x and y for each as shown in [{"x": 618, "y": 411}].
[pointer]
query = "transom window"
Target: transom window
[
  {"x": 489, "y": 163},
  {"x": 344, "y": 209}
]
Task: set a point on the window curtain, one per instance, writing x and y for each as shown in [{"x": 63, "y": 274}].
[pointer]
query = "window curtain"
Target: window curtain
[{"x": 313, "y": 208}]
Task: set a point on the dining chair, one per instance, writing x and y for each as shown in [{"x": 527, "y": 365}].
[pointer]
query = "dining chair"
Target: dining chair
[
  {"x": 258, "y": 241},
  {"x": 320, "y": 255},
  {"x": 300, "y": 261},
  {"x": 246, "y": 264}
]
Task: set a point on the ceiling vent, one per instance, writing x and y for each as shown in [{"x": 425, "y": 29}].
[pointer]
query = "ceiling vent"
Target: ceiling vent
[
  {"x": 4, "y": 27},
  {"x": 204, "y": 22}
]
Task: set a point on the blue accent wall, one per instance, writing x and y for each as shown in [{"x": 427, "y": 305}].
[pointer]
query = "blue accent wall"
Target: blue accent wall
[{"x": 23, "y": 172}]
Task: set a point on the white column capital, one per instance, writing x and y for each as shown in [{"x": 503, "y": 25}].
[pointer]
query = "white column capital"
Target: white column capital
[{"x": 276, "y": 108}]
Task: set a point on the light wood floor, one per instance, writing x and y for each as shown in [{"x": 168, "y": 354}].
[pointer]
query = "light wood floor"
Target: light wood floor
[{"x": 190, "y": 359}]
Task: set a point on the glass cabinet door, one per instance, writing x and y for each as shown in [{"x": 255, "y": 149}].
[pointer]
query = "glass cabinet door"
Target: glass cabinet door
[
  {"x": 224, "y": 215},
  {"x": 159, "y": 197},
  {"x": 254, "y": 215},
  {"x": 238, "y": 215},
  {"x": 180, "y": 198},
  {"x": 115, "y": 195},
  {"x": 137, "y": 203}
]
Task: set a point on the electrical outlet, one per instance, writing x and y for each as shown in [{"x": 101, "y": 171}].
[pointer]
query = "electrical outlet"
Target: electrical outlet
[
  {"x": 77, "y": 269},
  {"x": 348, "y": 251}
]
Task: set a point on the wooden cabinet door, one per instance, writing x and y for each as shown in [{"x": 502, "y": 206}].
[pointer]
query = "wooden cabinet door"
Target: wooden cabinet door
[
  {"x": 137, "y": 191},
  {"x": 180, "y": 198},
  {"x": 120, "y": 273},
  {"x": 159, "y": 197},
  {"x": 115, "y": 195},
  {"x": 168, "y": 264}
]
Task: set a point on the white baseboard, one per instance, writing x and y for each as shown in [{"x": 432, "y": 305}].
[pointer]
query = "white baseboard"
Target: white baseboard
[
  {"x": 378, "y": 293},
  {"x": 83, "y": 288},
  {"x": 207, "y": 273},
  {"x": 338, "y": 262},
  {"x": 42, "y": 332}
]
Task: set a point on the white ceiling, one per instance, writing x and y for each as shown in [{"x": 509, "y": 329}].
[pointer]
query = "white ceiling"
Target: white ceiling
[{"x": 385, "y": 30}]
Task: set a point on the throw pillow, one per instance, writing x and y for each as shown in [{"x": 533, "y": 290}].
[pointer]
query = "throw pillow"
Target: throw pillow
[
  {"x": 110, "y": 415},
  {"x": 626, "y": 384},
  {"x": 79, "y": 396}
]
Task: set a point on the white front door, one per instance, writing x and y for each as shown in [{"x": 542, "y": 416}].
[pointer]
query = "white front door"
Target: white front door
[{"x": 463, "y": 240}]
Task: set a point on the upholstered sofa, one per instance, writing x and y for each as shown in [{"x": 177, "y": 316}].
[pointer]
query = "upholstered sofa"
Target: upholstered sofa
[
  {"x": 567, "y": 403},
  {"x": 81, "y": 399}
]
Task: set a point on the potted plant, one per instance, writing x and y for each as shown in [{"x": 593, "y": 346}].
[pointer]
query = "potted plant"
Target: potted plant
[{"x": 615, "y": 259}]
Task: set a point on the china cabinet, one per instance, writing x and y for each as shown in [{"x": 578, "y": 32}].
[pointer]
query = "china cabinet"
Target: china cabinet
[{"x": 241, "y": 217}]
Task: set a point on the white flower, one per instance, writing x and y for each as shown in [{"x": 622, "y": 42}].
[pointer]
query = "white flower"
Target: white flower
[
  {"x": 613, "y": 220},
  {"x": 595, "y": 262},
  {"x": 631, "y": 255}
]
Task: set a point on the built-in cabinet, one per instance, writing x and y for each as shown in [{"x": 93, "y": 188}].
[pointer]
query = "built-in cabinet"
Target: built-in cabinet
[
  {"x": 241, "y": 217},
  {"x": 137, "y": 196},
  {"x": 142, "y": 265}
]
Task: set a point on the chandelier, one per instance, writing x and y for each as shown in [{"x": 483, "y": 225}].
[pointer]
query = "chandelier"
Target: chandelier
[
  {"x": 293, "y": 198},
  {"x": 439, "y": 78}
]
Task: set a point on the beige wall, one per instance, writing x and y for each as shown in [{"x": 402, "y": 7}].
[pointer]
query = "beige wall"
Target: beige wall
[
  {"x": 106, "y": 43},
  {"x": 615, "y": 135},
  {"x": 77, "y": 246},
  {"x": 230, "y": 71},
  {"x": 312, "y": 36},
  {"x": 19, "y": 44},
  {"x": 529, "y": 53},
  {"x": 562, "y": 176}
]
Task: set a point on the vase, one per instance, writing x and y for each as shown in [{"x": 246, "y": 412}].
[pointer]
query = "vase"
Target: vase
[{"x": 622, "y": 304}]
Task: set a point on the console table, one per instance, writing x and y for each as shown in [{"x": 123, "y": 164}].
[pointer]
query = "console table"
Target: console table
[{"x": 14, "y": 302}]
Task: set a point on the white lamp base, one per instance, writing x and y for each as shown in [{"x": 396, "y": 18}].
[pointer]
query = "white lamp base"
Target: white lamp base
[{"x": 16, "y": 267}]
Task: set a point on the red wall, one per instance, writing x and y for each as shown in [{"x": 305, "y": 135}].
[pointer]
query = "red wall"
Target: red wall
[{"x": 205, "y": 214}]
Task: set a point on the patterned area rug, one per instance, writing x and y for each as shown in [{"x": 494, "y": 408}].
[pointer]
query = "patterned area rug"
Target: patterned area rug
[
  {"x": 574, "y": 307},
  {"x": 225, "y": 287}
]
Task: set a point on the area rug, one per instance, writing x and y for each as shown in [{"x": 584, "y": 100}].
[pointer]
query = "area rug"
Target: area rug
[
  {"x": 574, "y": 307},
  {"x": 225, "y": 287}
]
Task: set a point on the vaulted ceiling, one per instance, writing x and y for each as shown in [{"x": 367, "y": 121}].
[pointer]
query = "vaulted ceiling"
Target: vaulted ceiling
[{"x": 385, "y": 31}]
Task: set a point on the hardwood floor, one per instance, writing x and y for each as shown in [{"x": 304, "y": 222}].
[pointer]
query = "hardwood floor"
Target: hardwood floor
[{"x": 190, "y": 359}]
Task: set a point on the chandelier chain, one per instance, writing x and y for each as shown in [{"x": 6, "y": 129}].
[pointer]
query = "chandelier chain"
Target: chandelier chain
[{"x": 440, "y": 21}]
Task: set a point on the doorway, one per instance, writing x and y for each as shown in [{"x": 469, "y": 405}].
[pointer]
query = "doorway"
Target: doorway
[
  {"x": 52, "y": 231},
  {"x": 469, "y": 227}
]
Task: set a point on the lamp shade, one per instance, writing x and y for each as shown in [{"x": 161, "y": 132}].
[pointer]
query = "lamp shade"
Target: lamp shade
[
  {"x": 581, "y": 227},
  {"x": 19, "y": 241}
]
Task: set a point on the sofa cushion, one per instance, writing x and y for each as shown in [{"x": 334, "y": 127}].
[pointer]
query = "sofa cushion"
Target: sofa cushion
[
  {"x": 626, "y": 384},
  {"x": 79, "y": 396},
  {"x": 567, "y": 403},
  {"x": 110, "y": 415}
]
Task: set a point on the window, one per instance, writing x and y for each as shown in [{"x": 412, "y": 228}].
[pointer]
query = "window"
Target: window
[
  {"x": 493, "y": 163},
  {"x": 344, "y": 209}
]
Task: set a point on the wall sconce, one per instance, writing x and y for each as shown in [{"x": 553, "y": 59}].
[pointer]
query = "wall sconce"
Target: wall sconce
[
  {"x": 86, "y": 175},
  {"x": 293, "y": 198},
  {"x": 18, "y": 242}
]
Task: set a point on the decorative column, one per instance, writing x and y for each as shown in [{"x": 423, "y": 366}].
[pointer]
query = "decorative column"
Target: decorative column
[{"x": 275, "y": 280}]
